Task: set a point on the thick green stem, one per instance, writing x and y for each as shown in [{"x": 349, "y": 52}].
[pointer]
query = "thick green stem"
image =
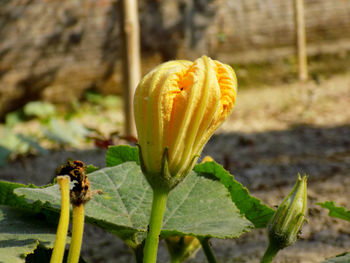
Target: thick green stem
[
  {"x": 62, "y": 229},
  {"x": 77, "y": 234},
  {"x": 207, "y": 250},
  {"x": 158, "y": 206},
  {"x": 270, "y": 253}
]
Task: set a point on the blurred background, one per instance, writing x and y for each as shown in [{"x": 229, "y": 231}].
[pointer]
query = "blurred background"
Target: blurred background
[{"x": 65, "y": 84}]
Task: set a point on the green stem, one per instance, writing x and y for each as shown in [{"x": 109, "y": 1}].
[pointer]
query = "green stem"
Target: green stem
[
  {"x": 158, "y": 207},
  {"x": 270, "y": 253},
  {"x": 77, "y": 234},
  {"x": 62, "y": 229},
  {"x": 207, "y": 250}
]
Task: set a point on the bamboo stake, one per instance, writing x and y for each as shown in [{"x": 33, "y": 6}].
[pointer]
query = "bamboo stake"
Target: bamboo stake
[
  {"x": 131, "y": 60},
  {"x": 300, "y": 39}
]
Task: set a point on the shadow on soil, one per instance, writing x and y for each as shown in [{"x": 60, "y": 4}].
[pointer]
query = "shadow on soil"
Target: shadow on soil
[
  {"x": 258, "y": 160},
  {"x": 276, "y": 157}
]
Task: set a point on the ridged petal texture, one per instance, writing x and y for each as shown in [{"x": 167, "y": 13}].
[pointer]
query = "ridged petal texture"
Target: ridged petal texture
[{"x": 178, "y": 106}]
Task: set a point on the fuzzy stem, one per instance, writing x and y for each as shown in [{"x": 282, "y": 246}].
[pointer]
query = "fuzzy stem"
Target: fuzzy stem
[
  {"x": 207, "y": 250},
  {"x": 270, "y": 253},
  {"x": 77, "y": 234},
  {"x": 158, "y": 207},
  {"x": 62, "y": 229}
]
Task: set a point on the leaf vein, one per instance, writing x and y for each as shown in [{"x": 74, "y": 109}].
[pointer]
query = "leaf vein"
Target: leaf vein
[
  {"x": 118, "y": 194},
  {"x": 181, "y": 203}
]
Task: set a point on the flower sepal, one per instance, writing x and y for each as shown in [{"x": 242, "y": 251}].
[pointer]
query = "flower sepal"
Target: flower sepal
[
  {"x": 165, "y": 180},
  {"x": 289, "y": 218}
]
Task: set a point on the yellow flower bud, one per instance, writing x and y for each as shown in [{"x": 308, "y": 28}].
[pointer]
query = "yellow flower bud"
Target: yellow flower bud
[{"x": 178, "y": 106}]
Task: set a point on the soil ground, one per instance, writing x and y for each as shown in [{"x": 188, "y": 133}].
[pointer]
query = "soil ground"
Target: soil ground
[{"x": 273, "y": 134}]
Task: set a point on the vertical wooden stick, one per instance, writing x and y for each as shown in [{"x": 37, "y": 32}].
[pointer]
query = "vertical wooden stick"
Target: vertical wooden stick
[
  {"x": 300, "y": 39},
  {"x": 131, "y": 60}
]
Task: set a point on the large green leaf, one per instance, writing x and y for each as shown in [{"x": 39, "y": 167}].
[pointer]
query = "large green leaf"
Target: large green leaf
[
  {"x": 336, "y": 211},
  {"x": 258, "y": 213},
  {"x": 21, "y": 233},
  {"x": 344, "y": 258},
  {"x": 199, "y": 206},
  {"x": 7, "y": 196},
  {"x": 122, "y": 153}
]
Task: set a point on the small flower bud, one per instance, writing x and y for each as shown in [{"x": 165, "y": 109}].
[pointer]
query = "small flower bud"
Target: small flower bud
[
  {"x": 181, "y": 248},
  {"x": 178, "y": 106},
  {"x": 289, "y": 218}
]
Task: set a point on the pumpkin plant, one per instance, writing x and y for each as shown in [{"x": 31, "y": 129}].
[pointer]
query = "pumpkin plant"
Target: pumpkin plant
[{"x": 155, "y": 190}]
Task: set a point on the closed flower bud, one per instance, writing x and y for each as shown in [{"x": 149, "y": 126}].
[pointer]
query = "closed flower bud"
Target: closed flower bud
[
  {"x": 289, "y": 218},
  {"x": 178, "y": 106}
]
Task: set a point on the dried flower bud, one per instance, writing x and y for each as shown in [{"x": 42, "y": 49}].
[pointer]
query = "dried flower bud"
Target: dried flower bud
[
  {"x": 81, "y": 192},
  {"x": 289, "y": 218},
  {"x": 178, "y": 106}
]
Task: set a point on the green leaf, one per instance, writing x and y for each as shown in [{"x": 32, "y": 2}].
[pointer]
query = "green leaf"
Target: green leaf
[
  {"x": 21, "y": 233},
  {"x": 7, "y": 196},
  {"x": 199, "y": 206},
  {"x": 33, "y": 143},
  {"x": 122, "y": 153},
  {"x": 13, "y": 118},
  {"x": 343, "y": 258},
  {"x": 13, "y": 143},
  {"x": 71, "y": 132},
  {"x": 91, "y": 168},
  {"x": 39, "y": 109},
  {"x": 336, "y": 211},
  {"x": 258, "y": 213}
]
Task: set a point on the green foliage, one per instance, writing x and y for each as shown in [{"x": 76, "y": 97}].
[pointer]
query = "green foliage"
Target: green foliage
[
  {"x": 91, "y": 168},
  {"x": 258, "y": 213},
  {"x": 39, "y": 109},
  {"x": 14, "y": 144},
  {"x": 40, "y": 123},
  {"x": 13, "y": 118},
  {"x": 208, "y": 203},
  {"x": 94, "y": 97},
  {"x": 110, "y": 101},
  {"x": 199, "y": 206},
  {"x": 336, "y": 211},
  {"x": 343, "y": 258},
  {"x": 21, "y": 233},
  {"x": 8, "y": 197},
  {"x": 65, "y": 133},
  {"x": 123, "y": 153}
]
